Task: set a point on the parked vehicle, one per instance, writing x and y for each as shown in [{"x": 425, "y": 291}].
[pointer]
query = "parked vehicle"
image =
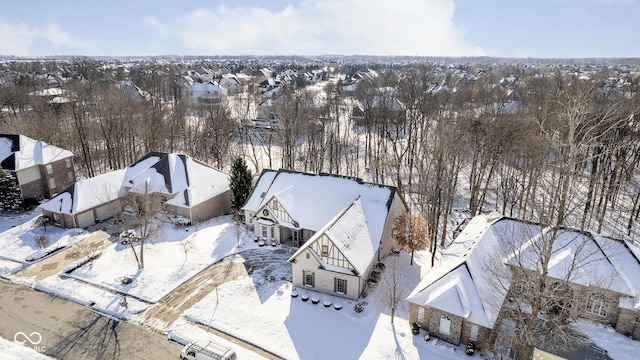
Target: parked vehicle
[{"x": 207, "y": 350}]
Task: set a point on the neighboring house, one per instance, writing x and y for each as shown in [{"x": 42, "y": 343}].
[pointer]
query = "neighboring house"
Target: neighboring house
[
  {"x": 191, "y": 189},
  {"x": 341, "y": 225},
  {"x": 459, "y": 301},
  {"x": 381, "y": 102},
  {"x": 231, "y": 83},
  {"x": 206, "y": 93},
  {"x": 87, "y": 201},
  {"x": 42, "y": 170}
]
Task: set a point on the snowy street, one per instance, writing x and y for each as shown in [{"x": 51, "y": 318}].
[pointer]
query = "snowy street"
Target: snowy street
[{"x": 72, "y": 331}]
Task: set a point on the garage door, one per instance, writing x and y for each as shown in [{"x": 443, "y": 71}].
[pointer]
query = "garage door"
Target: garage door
[
  {"x": 86, "y": 219},
  {"x": 105, "y": 211}
]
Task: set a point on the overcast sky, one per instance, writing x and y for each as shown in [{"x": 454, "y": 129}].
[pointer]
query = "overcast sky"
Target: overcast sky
[{"x": 504, "y": 28}]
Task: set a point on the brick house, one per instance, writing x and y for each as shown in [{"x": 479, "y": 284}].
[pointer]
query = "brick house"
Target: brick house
[
  {"x": 42, "y": 170},
  {"x": 485, "y": 272},
  {"x": 190, "y": 189},
  {"x": 340, "y": 225}
]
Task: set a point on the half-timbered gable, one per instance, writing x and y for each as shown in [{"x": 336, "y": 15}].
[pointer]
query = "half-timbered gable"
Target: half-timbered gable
[
  {"x": 279, "y": 212},
  {"x": 330, "y": 254},
  {"x": 340, "y": 224}
]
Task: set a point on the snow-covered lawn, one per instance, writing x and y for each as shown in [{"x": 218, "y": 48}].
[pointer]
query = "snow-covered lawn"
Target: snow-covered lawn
[
  {"x": 171, "y": 257},
  {"x": 264, "y": 313},
  {"x": 618, "y": 346},
  {"x": 11, "y": 350},
  {"x": 18, "y": 241}
]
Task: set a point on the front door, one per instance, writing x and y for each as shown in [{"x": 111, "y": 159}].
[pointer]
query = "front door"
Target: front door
[{"x": 295, "y": 234}]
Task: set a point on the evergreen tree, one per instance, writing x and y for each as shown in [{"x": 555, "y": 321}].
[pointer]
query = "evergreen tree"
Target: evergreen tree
[
  {"x": 240, "y": 184},
  {"x": 10, "y": 196}
]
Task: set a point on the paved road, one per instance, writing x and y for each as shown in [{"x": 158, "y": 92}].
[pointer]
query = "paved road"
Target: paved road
[{"x": 72, "y": 331}]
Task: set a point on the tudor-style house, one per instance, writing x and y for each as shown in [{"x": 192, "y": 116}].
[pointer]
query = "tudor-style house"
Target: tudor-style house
[
  {"x": 190, "y": 189},
  {"x": 482, "y": 276},
  {"x": 42, "y": 169},
  {"x": 340, "y": 225}
]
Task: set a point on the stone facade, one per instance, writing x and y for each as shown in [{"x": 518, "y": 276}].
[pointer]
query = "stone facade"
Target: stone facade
[
  {"x": 459, "y": 330},
  {"x": 629, "y": 323}
]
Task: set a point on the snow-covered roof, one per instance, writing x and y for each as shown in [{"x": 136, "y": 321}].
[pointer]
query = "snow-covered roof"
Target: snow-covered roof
[
  {"x": 202, "y": 87},
  {"x": 625, "y": 260},
  {"x": 187, "y": 181},
  {"x": 191, "y": 182},
  {"x": 349, "y": 233},
  {"x": 313, "y": 200},
  {"x": 576, "y": 257},
  {"x": 455, "y": 293},
  {"x": 466, "y": 255},
  {"x": 493, "y": 242},
  {"x": 19, "y": 152},
  {"x": 87, "y": 194}
]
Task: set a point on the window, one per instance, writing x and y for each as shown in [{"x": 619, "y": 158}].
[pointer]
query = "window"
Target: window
[
  {"x": 49, "y": 169},
  {"x": 420, "y": 314},
  {"x": 67, "y": 161},
  {"x": 597, "y": 304},
  {"x": 70, "y": 175},
  {"x": 522, "y": 286},
  {"x": 264, "y": 231},
  {"x": 340, "y": 286},
  {"x": 308, "y": 278},
  {"x": 52, "y": 183},
  {"x": 325, "y": 250},
  {"x": 474, "y": 333},
  {"x": 445, "y": 325},
  {"x": 273, "y": 232}
]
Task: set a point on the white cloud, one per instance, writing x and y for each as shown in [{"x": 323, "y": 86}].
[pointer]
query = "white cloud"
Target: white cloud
[
  {"x": 401, "y": 27},
  {"x": 21, "y": 39}
]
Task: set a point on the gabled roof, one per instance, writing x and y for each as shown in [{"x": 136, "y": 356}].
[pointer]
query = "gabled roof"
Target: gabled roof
[
  {"x": 313, "y": 200},
  {"x": 19, "y": 152},
  {"x": 191, "y": 181},
  {"x": 87, "y": 194},
  {"x": 463, "y": 266},
  {"x": 496, "y": 242},
  {"x": 349, "y": 233},
  {"x": 187, "y": 181},
  {"x": 624, "y": 258},
  {"x": 456, "y": 294}
]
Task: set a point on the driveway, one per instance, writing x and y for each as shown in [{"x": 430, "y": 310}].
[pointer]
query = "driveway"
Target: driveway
[{"x": 52, "y": 265}]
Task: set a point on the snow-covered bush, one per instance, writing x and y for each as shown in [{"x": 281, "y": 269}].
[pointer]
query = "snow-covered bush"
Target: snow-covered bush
[{"x": 76, "y": 264}]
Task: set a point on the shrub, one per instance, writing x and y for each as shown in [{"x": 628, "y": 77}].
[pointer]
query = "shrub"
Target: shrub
[
  {"x": 358, "y": 308},
  {"x": 42, "y": 241}
]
